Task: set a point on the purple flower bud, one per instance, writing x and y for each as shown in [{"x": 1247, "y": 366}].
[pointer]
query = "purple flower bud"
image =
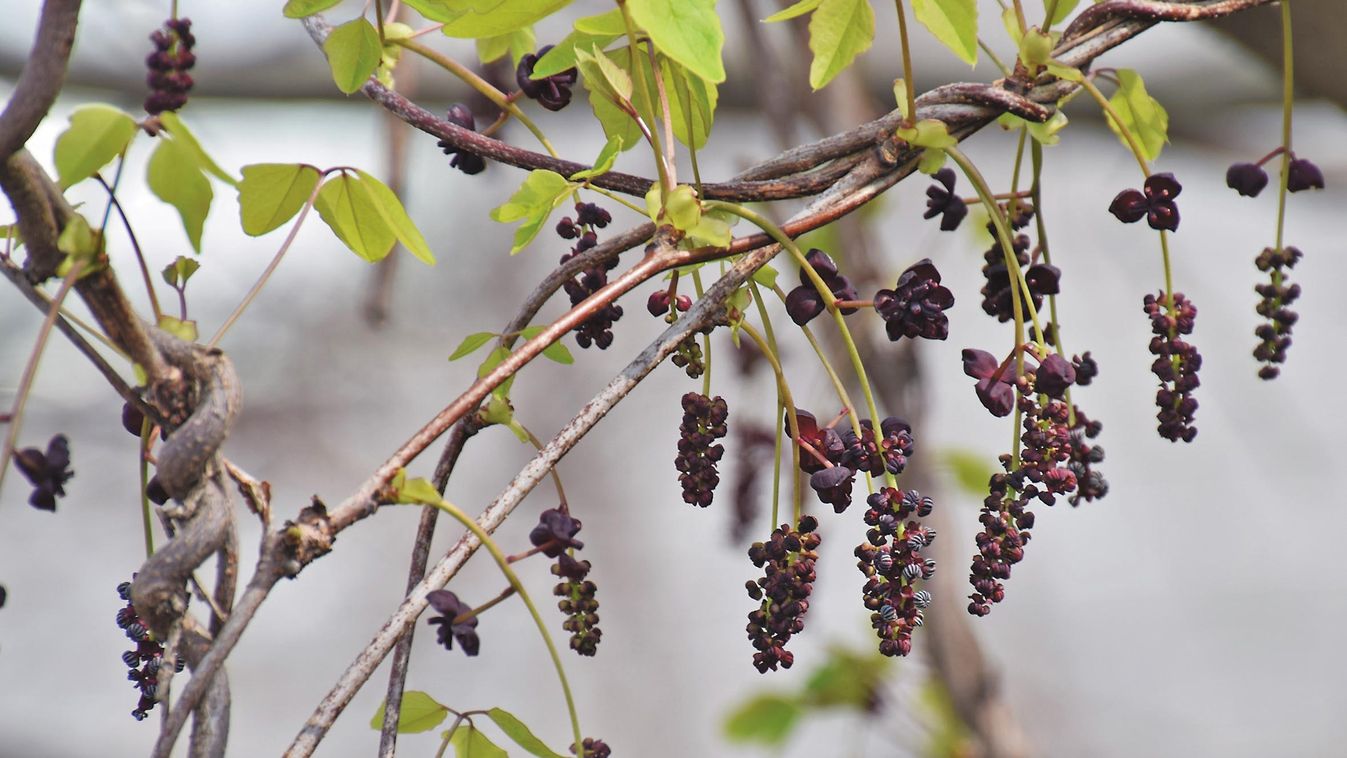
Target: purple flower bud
[{"x": 1247, "y": 179}]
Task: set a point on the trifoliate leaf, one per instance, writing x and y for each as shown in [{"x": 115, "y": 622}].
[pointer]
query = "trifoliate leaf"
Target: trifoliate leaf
[
  {"x": 272, "y": 193},
  {"x": 353, "y": 52},
  {"x": 534, "y": 201},
  {"x": 1143, "y": 116},
  {"x": 350, "y": 211},
  {"x": 390, "y": 209},
  {"x": 173, "y": 123}
]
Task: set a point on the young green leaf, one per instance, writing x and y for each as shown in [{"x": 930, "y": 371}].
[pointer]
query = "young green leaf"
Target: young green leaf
[
  {"x": 616, "y": 122},
  {"x": 179, "y": 271},
  {"x": 1064, "y": 8},
  {"x": 555, "y": 351},
  {"x": 353, "y": 52},
  {"x": 77, "y": 239},
  {"x": 272, "y": 193},
  {"x": 562, "y": 55},
  {"x": 175, "y": 178},
  {"x": 173, "y": 123},
  {"x": 794, "y": 11},
  {"x": 302, "y": 8},
  {"x": 183, "y": 330},
  {"x": 686, "y": 92},
  {"x": 608, "y": 23},
  {"x": 1143, "y": 116},
  {"x": 443, "y": 11},
  {"x": 766, "y": 719},
  {"x": 349, "y": 210},
  {"x": 953, "y": 22},
  {"x": 517, "y": 43},
  {"x": 929, "y": 133},
  {"x": 390, "y": 209},
  {"x": 470, "y": 344},
  {"x": 766, "y": 276},
  {"x": 541, "y": 192},
  {"x": 97, "y": 134},
  {"x": 710, "y": 231},
  {"x": 602, "y": 164},
  {"x": 839, "y": 31},
  {"x": 682, "y": 209},
  {"x": 522, "y": 736},
  {"x": 421, "y": 709},
  {"x": 602, "y": 72},
  {"x": 469, "y": 742},
  {"x": 420, "y": 712},
  {"x": 687, "y": 31},
  {"x": 500, "y": 17}
]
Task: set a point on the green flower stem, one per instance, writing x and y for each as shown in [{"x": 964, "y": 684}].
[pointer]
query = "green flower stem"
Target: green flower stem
[
  {"x": 518, "y": 586},
  {"x": 692, "y": 142},
  {"x": 1014, "y": 199},
  {"x": 776, "y": 233},
  {"x": 787, "y": 399},
  {"x": 910, "y": 113},
  {"x": 556, "y": 478},
  {"x": 838, "y": 386},
  {"x": 1036, "y": 194},
  {"x": 991, "y": 54},
  {"x": 484, "y": 607},
  {"x": 665, "y": 114},
  {"x": 488, "y": 91},
  {"x": 643, "y": 91},
  {"x": 270, "y": 269},
  {"x": 1019, "y": 17},
  {"x": 30, "y": 370},
  {"x": 782, "y": 410},
  {"x": 1288, "y": 101},
  {"x": 618, "y": 199},
  {"x": 1048, "y": 14},
  {"x": 144, "y": 447},
  {"x": 706, "y": 338}
]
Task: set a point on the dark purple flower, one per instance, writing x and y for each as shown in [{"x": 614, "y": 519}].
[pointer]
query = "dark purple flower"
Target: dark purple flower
[
  {"x": 833, "y": 486},
  {"x": 552, "y": 92},
  {"x": 1055, "y": 374},
  {"x": 48, "y": 472},
  {"x": 915, "y": 306},
  {"x": 555, "y": 533},
  {"x": 1155, "y": 204},
  {"x": 1248, "y": 179},
  {"x": 467, "y": 162},
  {"x": 1303, "y": 175},
  {"x": 804, "y": 303},
  {"x": 944, "y": 203},
  {"x": 997, "y": 395},
  {"x": 450, "y": 608}
]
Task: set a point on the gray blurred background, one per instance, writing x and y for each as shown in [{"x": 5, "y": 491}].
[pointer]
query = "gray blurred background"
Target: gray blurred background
[{"x": 1195, "y": 611}]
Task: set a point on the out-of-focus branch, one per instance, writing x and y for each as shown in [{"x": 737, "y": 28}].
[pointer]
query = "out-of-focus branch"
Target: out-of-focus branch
[{"x": 42, "y": 76}]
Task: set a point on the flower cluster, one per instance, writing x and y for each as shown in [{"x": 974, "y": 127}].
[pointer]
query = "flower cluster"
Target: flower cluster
[
  {"x": 658, "y": 304},
  {"x": 454, "y": 622},
  {"x": 787, "y": 560},
  {"x": 1277, "y": 297},
  {"x": 463, "y": 160},
  {"x": 552, "y": 92},
  {"x": 1176, "y": 364},
  {"x": 1154, "y": 202},
  {"x": 144, "y": 661},
  {"x": 703, "y": 423},
  {"x": 597, "y": 329},
  {"x": 1001, "y": 286},
  {"x": 555, "y": 533},
  {"x": 47, "y": 472},
  {"x": 916, "y": 306},
  {"x": 942, "y": 202},
  {"x": 689, "y": 357},
  {"x": 1005, "y": 531},
  {"x": 1249, "y": 179},
  {"x": 1046, "y": 439},
  {"x": 892, "y": 564},
  {"x": 805, "y": 302},
  {"x": 594, "y": 748},
  {"x": 168, "y": 64},
  {"x": 1084, "y": 454},
  {"x": 832, "y": 458},
  {"x": 578, "y": 603}
]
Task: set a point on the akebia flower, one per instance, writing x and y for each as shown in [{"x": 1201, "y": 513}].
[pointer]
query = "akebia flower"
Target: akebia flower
[
  {"x": 804, "y": 302},
  {"x": 48, "y": 472},
  {"x": 833, "y": 486},
  {"x": 1248, "y": 179},
  {"x": 1303, "y": 175},
  {"x": 996, "y": 394},
  {"x": 944, "y": 203},
  {"x": 467, "y": 162},
  {"x": 1054, "y": 375},
  {"x": 787, "y": 560},
  {"x": 1155, "y": 203},
  {"x": 916, "y": 306},
  {"x": 555, "y": 533},
  {"x": 552, "y": 92},
  {"x": 450, "y": 608},
  {"x": 168, "y": 66}
]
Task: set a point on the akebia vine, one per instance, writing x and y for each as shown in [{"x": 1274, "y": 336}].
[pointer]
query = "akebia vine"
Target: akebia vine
[{"x": 650, "y": 71}]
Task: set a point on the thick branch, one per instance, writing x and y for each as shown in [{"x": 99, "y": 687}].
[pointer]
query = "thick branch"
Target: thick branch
[{"x": 42, "y": 76}]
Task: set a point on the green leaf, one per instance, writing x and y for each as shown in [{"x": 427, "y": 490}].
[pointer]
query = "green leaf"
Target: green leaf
[
  {"x": 272, "y": 193},
  {"x": 686, "y": 93},
  {"x": 390, "y": 209},
  {"x": 97, "y": 134},
  {"x": 1046, "y": 133},
  {"x": 555, "y": 351},
  {"x": 794, "y": 11},
  {"x": 766, "y": 276},
  {"x": 845, "y": 679},
  {"x": 443, "y": 11},
  {"x": 351, "y": 213},
  {"x": 421, "y": 708},
  {"x": 609, "y": 23},
  {"x": 928, "y": 133},
  {"x": 839, "y": 31},
  {"x": 954, "y": 23},
  {"x": 603, "y": 73},
  {"x": 1143, "y": 116},
  {"x": 562, "y": 55},
  {"x": 682, "y": 209},
  {"x": 470, "y": 344},
  {"x": 1064, "y": 8},
  {"x": 183, "y": 330},
  {"x": 766, "y": 719},
  {"x": 522, "y": 736},
  {"x": 710, "y": 231},
  {"x": 1062, "y": 71},
  {"x": 353, "y": 52},
  {"x": 687, "y": 31},
  {"x": 179, "y": 130},
  {"x": 1036, "y": 48},
  {"x": 602, "y": 164},
  {"x": 469, "y": 742},
  {"x": 501, "y": 17},
  {"x": 971, "y": 471},
  {"x": 302, "y": 8},
  {"x": 175, "y": 178},
  {"x": 534, "y": 201},
  {"x": 179, "y": 271},
  {"x": 931, "y": 160},
  {"x": 517, "y": 43},
  {"x": 77, "y": 239},
  {"x": 420, "y": 712}
]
